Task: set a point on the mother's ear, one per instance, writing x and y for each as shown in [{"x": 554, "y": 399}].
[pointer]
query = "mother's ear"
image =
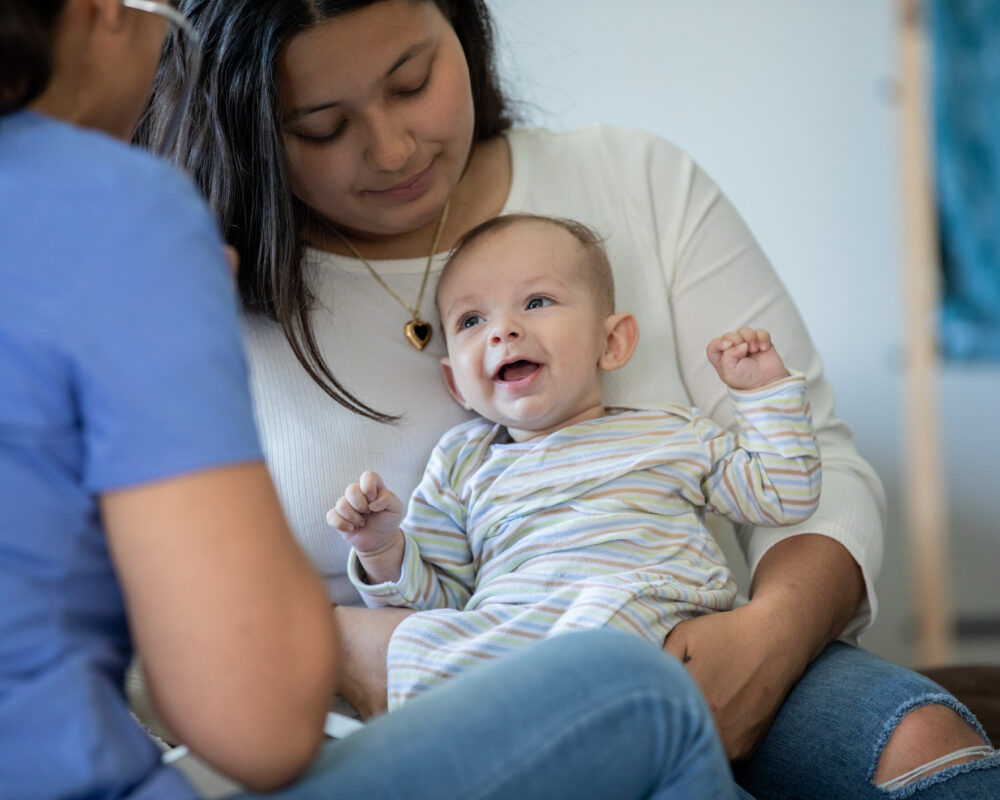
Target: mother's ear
[
  {"x": 621, "y": 336},
  {"x": 449, "y": 381}
]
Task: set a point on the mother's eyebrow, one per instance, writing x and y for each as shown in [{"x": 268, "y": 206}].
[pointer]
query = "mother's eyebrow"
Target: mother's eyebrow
[{"x": 410, "y": 52}]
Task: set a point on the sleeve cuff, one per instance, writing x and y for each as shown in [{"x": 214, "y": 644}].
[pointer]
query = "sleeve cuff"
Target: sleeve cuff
[
  {"x": 400, "y": 593},
  {"x": 792, "y": 386}
]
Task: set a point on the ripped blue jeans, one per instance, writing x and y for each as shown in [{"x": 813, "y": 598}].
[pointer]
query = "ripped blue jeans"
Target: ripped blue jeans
[{"x": 828, "y": 737}]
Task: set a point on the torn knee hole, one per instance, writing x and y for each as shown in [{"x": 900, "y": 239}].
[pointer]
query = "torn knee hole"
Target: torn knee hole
[{"x": 925, "y": 741}]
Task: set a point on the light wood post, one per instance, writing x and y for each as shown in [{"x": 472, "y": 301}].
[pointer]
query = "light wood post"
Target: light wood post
[{"x": 924, "y": 483}]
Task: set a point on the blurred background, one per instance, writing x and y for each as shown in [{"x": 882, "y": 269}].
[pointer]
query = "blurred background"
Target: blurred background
[{"x": 793, "y": 106}]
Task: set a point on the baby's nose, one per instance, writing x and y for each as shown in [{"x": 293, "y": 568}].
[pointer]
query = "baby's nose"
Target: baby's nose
[{"x": 504, "y": 334}]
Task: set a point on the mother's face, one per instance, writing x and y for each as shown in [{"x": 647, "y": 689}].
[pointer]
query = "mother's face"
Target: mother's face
[{"x": 377, "y": 116}]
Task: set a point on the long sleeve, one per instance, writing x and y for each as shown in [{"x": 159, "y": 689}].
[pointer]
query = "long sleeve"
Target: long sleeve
[
  {"x": 438, "y": 569},
  {"x": 768, "y": 473}
]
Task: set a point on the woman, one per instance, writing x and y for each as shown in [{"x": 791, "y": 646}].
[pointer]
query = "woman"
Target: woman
[
  {"x": 345, "y": 146},
  {"x": 130, "y": 471}
]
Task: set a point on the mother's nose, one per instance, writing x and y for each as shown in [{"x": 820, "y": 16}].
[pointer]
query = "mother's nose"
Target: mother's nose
[{"x": 389, "y": 142}]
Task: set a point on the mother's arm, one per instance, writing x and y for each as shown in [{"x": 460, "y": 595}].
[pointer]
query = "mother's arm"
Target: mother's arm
[
  {"x": 364, "y": 639},
  {"x": 805, "y": 591}
]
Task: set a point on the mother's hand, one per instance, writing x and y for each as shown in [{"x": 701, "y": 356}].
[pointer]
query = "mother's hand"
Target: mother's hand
[
  {"x": 805, "y": 591},
  {"x": 741, "y": 669},
  {"x": 364, "y": 640}
]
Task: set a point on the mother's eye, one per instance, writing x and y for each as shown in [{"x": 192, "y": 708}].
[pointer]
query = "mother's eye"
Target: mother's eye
[
  {"x": 323, "y": 137},
  {"x": 415, "y": 90}
]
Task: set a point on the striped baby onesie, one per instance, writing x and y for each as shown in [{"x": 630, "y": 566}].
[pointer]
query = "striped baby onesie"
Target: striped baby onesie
[{"x": 599, "y": 524}]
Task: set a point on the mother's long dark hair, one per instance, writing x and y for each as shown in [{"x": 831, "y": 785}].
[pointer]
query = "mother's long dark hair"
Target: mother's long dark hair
[{"x": 231, "y": 144}]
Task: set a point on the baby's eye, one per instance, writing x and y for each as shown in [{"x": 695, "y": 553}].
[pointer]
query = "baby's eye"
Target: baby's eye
[
  {"x": 538, "y": 302},
  {"x": 469, "y": 320}
]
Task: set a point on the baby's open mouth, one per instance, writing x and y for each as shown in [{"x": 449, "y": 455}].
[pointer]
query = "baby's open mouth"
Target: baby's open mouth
[{"x": 515, "y": 371}]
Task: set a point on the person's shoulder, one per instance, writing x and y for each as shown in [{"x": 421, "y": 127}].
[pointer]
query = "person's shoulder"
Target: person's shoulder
[
  {"x": 90, "y": 207},
  {"x": 599, "y": 165},
  {"x": 71, "y": 162},
  {"x": 135, "y": 176},
  {"x": 599, "y": 137}
]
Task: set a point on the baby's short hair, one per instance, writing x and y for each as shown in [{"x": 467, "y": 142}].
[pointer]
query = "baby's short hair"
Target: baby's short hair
[{"x": 599, "y": 273}]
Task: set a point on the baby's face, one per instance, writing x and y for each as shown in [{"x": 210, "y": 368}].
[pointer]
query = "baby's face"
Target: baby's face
[{"x": 523, "y": 328}]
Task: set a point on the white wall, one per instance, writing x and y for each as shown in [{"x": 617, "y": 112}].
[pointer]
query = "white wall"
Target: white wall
[{"x": 789, "y": 105}]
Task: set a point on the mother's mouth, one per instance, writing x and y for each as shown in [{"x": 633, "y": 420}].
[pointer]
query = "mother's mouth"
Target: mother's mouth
[{"x": 402, "y": 186}]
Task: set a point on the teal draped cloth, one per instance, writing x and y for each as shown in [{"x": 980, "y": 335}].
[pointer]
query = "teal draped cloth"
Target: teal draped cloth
[{"x": 965, "y": 81}]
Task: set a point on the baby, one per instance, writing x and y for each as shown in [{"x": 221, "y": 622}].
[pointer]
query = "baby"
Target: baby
[{"x": 551, "y": 512}]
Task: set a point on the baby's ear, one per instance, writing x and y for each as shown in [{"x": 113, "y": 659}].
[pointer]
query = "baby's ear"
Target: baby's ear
[
  {"x": 621, "y": 336},
  {"x": 449, "y": 381}
]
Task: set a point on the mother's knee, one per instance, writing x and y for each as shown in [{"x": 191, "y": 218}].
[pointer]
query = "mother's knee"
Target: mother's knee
[{"x": 930, "y": 736}]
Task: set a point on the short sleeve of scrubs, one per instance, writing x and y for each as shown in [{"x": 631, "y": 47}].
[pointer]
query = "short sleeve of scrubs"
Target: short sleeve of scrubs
[{"x": 160, "y": 374}]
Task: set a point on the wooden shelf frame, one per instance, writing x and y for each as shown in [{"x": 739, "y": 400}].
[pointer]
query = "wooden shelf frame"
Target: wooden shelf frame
[{"x": 925, "y": 493}]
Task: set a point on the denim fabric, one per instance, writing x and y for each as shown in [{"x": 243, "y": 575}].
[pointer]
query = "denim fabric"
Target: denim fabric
[
  {"x": 829, "y": 734},
  {"x": 597, "y": 715}
]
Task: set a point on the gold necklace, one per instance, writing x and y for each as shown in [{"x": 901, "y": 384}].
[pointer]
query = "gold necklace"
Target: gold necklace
[{"x": 417, "y": 331}]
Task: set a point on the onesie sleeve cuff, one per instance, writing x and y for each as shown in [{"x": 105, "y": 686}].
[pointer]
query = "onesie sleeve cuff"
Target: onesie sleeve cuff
[
  {"x": 793, "y": 387},
  {"x": 399, "y": 593},
  {"x": 776, "y": 418}
]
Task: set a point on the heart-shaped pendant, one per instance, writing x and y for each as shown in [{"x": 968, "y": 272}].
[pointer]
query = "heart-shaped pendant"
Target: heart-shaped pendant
[{"x": 418, "y": 332}]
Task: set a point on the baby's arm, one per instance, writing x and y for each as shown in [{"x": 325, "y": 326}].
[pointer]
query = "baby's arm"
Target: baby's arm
[
  {"x": 426, "y": 564},
  {"x": 368, "y": 517},
  {"x": 746, "y": 359},
  {"x": 768, "y": 474}
]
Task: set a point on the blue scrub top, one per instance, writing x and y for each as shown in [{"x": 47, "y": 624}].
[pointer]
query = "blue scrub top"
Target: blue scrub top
[{"x": 120, "y": 363}]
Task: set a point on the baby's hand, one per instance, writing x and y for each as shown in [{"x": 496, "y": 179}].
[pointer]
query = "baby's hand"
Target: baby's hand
[
  {"x": 368, "y": 515},
  {"x": 746, "y": 359}
]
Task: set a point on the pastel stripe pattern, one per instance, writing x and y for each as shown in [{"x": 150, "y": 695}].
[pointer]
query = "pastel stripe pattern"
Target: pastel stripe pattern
[{"x": 599, "y": 524}]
